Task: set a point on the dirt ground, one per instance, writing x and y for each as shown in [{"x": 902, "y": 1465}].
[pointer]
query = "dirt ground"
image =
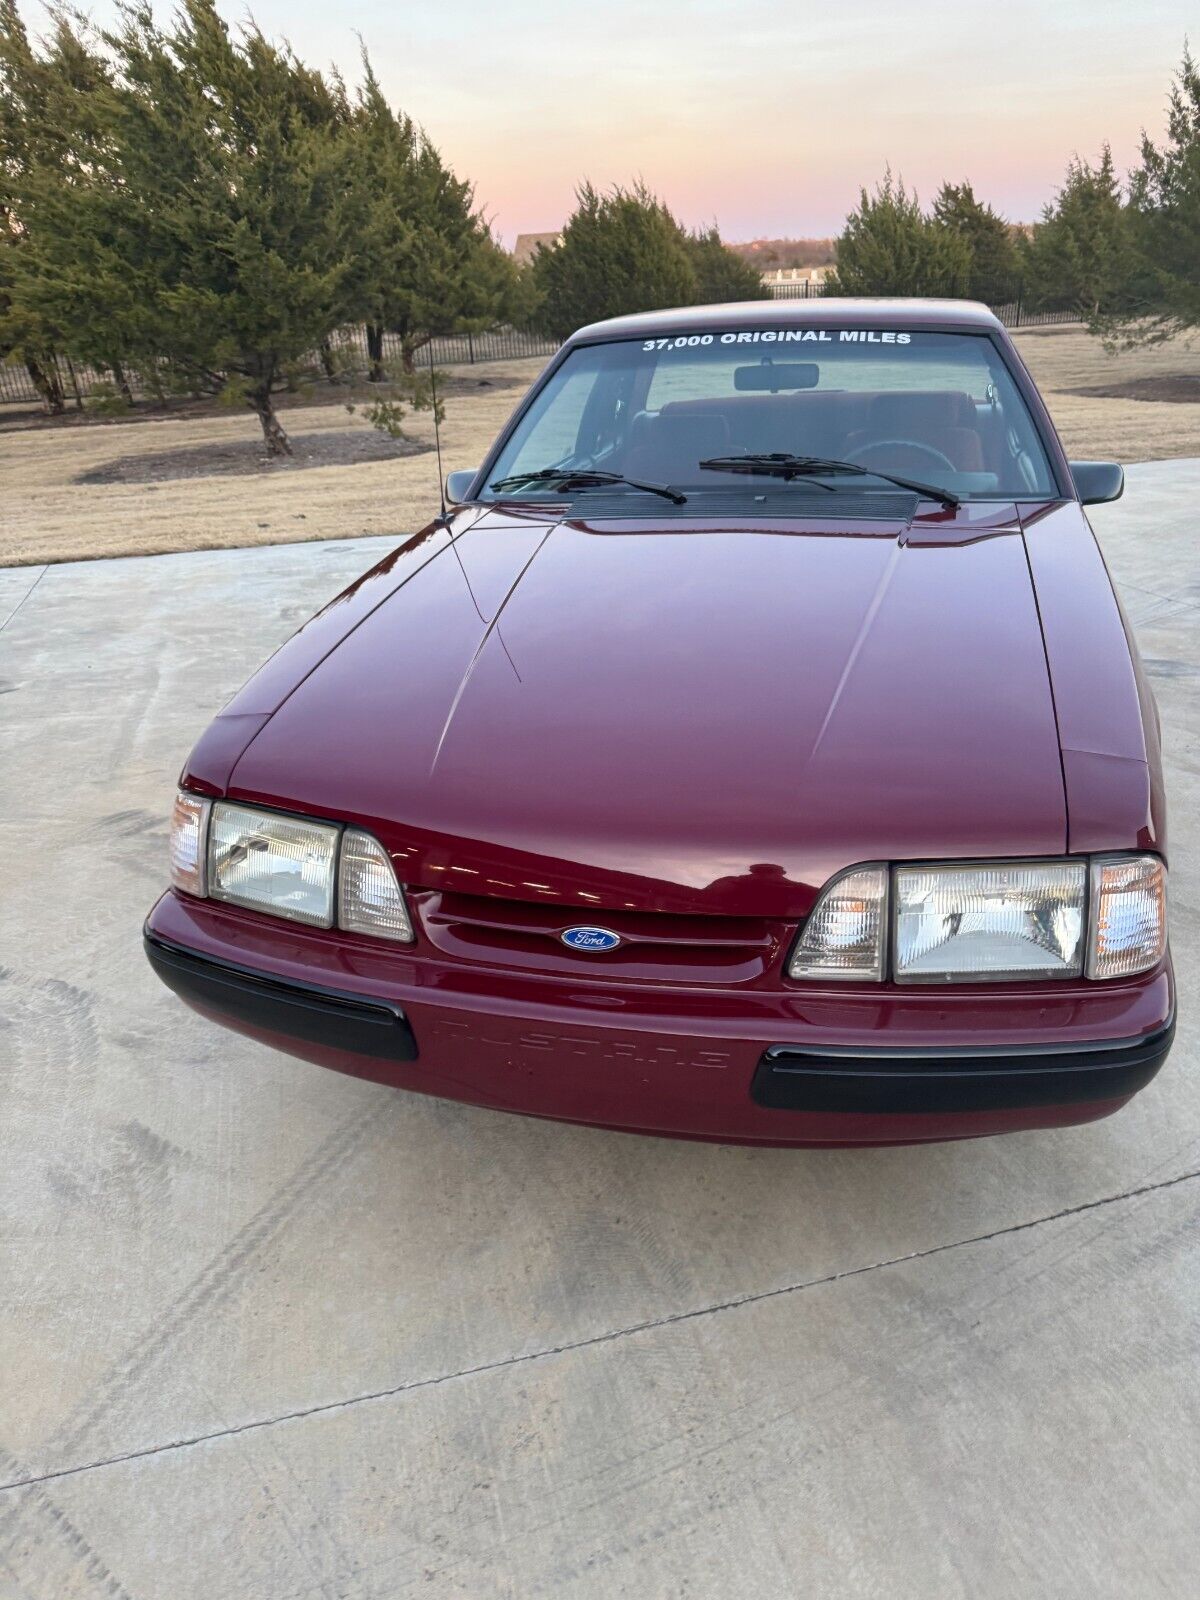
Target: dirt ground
[{"x": 197, "y": 481}]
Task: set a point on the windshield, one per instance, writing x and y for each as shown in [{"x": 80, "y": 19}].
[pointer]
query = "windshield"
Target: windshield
[{"x": 939, "y": 409}]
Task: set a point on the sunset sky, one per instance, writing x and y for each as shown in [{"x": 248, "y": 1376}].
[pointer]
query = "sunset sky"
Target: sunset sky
[{"x": 764, "y": 115}]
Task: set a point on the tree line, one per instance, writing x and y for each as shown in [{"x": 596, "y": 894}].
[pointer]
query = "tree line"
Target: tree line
[
  {"x": 1126, "y": 258},
  {"x": 206, "y": 210},
  {"x": 201, "y": 209}
]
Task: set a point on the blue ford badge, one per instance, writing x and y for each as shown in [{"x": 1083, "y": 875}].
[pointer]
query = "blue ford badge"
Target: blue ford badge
[{"x": 590, "y": 938}]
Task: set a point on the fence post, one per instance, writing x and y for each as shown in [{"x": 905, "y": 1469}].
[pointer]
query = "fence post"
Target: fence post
[
  {"x": 75, "y": 385},
  {"x": 1020, "y": 292},
  {"x": 470, "y": 349}
]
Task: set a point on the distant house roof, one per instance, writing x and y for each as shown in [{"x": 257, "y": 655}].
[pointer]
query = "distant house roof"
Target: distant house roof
[{"x": 527, "y": 244}]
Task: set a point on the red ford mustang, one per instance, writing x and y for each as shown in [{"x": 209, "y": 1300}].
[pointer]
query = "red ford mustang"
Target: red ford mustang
[{"x": 755, "y": 751}]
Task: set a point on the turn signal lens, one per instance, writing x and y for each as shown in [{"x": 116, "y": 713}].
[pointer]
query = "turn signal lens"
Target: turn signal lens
[
  {"x": 370, "y": 900},
  {"x": 843, "y": 938},
  {"x": 1129, "y": 916},
  {"x": 189, "y": 842}
]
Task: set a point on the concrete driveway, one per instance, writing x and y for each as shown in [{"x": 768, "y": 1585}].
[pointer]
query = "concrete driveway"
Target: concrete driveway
[{"x": 273, "y": 1333}]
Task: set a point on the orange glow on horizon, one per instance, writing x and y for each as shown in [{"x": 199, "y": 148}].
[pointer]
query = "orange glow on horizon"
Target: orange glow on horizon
[{"x": 766, "y": 119}]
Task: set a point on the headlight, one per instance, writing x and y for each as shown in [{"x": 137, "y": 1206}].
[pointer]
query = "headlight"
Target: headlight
[
  {"x": 1007, "y": 920},
  {"x": 989, "y": 922},
  {"x": 287, "y": 866},
  {"x": 272, "y": 863}
]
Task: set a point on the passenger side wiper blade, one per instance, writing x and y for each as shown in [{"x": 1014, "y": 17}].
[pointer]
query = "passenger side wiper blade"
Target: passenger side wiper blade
[
  {"x": 587, "y": 478},
  {"x": 775, "y": 464},
  {"x": 778, "y": 464}
]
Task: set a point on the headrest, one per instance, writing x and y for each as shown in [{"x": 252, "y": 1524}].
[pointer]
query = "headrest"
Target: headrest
[
  {"x": 929, "y": 408},
  {"x": 707, "y": 430}
]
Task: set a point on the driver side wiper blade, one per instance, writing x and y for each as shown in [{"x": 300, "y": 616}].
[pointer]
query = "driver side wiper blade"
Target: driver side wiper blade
[
  {"x": 587, "y": 478},
  {"x": 779, "y": 464}
]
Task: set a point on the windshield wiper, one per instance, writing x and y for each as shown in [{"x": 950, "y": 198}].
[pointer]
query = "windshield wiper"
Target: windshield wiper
[
  {"x": 779, "y": 464},
  {"x": 587, "y": 478}
]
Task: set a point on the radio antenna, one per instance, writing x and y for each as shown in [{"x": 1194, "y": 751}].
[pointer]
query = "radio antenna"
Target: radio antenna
[{"x": 437, "y": 432}]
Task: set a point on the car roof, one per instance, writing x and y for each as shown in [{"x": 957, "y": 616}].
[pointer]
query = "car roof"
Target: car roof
[{"x": 827, "y": 311}]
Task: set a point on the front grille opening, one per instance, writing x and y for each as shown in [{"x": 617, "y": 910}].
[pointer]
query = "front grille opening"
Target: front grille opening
[{"x": 655, "y": 946}]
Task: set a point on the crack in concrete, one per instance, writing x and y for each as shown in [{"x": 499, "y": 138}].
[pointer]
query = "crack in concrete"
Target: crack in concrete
[
  {"x": 23, "y": 598},
  {"x": 610, "y": 1336}
]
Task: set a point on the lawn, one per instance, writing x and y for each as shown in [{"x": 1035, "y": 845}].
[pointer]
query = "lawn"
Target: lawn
[
  {"x": 84, "y": 488},
  {"x": 76, "y": 490},
  {"x": 1108, "y": 408}
]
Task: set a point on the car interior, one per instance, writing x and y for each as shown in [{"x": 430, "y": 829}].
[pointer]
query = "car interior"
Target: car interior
[
  {"x": 950, "y": 417},
  {"x": 909, "y": 431}
]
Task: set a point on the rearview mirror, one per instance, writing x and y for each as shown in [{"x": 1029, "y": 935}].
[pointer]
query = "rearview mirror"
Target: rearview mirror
[
  {"x": 1098, "y": 481},
  {"x": 772, "y": 376},
  {"x": 458, "y": 485}
]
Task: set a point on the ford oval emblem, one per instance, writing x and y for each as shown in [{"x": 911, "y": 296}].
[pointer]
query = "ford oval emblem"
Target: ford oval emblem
[{"x": 590, "y": 939}]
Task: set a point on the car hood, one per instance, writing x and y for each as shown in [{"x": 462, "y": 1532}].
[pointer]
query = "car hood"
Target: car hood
[{"x": 693, "y": 715}]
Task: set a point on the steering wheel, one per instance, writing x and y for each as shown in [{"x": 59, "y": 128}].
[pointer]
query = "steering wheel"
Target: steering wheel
[{"x": 854, "y": 456}]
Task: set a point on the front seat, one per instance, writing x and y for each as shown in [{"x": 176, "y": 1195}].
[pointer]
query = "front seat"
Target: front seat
[
  {"x": 899, "y": 423},
  {"x": 671, "y": 446}
]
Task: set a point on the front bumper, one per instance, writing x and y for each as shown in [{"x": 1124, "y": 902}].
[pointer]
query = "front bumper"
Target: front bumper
[
  {"x": 881, "y": 1081},
  {"x": 306, "y": 1013},
  {"x": 794, "y": 1068}
]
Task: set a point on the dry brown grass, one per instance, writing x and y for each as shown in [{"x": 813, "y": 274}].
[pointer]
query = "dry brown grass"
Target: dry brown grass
[
  {"x": 1105, "y": 427},
  {"x": 49, "y": 511},
  {"x": 53, "y": 508}
]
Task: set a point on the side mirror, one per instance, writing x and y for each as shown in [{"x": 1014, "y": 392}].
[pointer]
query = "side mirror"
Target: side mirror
[
  {"x": 458, "y": 485},
  {"x": 1098, "y": 481}
]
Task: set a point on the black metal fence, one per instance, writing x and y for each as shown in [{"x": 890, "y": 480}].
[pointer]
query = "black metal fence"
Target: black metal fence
[
  {"x": 460, "y": 349},
  {"x": 76, "y": 382},
  {"x": 80, "y": 382},
  {"x": 1007, "y": 300}
]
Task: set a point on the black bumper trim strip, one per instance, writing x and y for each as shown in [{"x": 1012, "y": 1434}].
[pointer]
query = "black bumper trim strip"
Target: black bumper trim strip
[
  {"x": 797, "y": 1078},
  {"x": 300, "y": 1011}
]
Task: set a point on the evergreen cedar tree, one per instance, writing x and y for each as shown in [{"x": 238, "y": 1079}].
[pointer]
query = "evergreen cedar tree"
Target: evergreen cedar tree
[
  {"x": 1164, "y": 224},
  {"x": 192, "y": 212},
  {"x": 1079, "y": 257},
  {"x": 721, "y": 274},
  {"x": 209, "y": 210},
  {"x": 890, "y": 247},
  {"x": 993, "y": 270},
  {"x": 41, "y": 97},
  {"x": 426, "y": 262},
  {"x": 1131, "y": 268},
  {"x": 623, "y": 251}
]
